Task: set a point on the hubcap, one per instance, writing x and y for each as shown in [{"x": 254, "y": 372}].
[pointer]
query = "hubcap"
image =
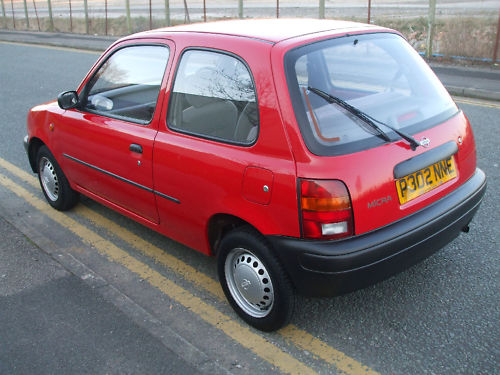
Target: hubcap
[
  {"x": 249, "y": 282},
  {"x": 48, "y": 177}
]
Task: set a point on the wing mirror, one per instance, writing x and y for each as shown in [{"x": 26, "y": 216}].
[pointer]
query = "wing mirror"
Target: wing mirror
[{"x": 68, "y": 99}]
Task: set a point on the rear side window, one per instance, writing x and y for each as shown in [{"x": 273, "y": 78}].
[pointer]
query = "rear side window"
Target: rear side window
[
  {"x": 214, "y": 97},
  {"x": 379, "y": 74},
  {"x": 127, "y": 85}
]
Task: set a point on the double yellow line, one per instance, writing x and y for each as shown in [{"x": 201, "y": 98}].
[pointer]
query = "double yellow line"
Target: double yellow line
[
  {"x": 232, "y": 328},
  {"x": 477, "y": 102}
]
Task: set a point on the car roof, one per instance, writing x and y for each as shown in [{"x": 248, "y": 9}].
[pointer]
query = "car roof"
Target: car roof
[{"x": 269, "y": 30}]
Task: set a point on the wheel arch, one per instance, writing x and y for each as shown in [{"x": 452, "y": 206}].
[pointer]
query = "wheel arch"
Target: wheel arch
[
  {"x": 34, "y": 146},
  {"x": 220, "y": 224}
]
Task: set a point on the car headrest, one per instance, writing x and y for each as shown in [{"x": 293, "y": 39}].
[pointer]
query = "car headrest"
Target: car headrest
[{"x": 201, "y": 83}]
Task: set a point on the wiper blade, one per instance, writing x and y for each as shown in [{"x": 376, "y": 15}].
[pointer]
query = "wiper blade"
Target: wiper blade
[{"x": 365, "y": 117}]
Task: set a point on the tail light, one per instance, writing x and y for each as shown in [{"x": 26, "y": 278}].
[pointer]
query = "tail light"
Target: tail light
[{"x": 326, "y": 209}]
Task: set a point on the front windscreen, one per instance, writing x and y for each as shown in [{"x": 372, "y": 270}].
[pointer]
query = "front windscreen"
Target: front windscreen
[{"x": 379, "y": 74}]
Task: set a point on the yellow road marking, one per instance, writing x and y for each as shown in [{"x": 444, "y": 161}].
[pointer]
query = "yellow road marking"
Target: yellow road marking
[
  {"x": 159, "y": 255},
  {"x": 477, "y": 102},
  {"x": 189, "y": 273},
  {"x": 242, "y": 334},
  {"x": 291, "y": 333},
  {"x": 335, "y": 357},
  {"x": 57, "y": 48},
  {"x": 18, "y": 172}
]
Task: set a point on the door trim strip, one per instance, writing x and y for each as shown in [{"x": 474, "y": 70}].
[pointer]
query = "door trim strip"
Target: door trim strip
[{"x": 165, "y": 196}]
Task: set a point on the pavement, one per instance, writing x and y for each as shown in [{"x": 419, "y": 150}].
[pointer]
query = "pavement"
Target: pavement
[
  {"x": 472, "y": 82},
  {"x": 52, "y": 322},
  {"x": 79, "y": 41},
  {"x": 479, "y": 82}
]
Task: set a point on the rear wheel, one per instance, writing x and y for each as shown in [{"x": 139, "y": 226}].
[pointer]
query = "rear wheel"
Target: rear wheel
[
  {"x": 254, "y": 281},
  {"x": 54, "y": 184}
]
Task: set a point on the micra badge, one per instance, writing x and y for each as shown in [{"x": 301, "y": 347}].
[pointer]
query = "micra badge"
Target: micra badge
[{"x": 379, "y": 202}]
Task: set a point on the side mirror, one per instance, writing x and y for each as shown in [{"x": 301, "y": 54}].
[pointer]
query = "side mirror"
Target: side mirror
[{"x": 68, "y": 99}]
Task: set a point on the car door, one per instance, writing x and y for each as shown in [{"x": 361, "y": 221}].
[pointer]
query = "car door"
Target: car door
[
  {"x": 213, "y": 157},
  {"x": 107, "y": 144}
]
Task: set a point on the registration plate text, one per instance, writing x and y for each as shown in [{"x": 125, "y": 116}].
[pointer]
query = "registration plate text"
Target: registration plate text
[{"x": 426, "y": 179}]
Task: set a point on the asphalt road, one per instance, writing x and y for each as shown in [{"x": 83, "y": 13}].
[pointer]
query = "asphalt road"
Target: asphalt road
[{"x": 439, "y": 317}]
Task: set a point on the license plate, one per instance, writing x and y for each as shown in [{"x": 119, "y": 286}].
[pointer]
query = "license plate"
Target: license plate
[{"x": 424, "y": 180}]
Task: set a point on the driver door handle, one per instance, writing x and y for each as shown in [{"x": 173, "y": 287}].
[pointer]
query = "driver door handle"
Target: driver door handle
[{"x": 134, "y": 147}]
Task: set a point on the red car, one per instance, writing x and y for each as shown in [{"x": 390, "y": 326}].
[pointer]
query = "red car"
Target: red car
[{"x": 308, "y": 156}]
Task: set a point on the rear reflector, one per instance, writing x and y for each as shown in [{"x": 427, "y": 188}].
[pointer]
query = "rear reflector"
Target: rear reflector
[{"x": 326, "y": 209}]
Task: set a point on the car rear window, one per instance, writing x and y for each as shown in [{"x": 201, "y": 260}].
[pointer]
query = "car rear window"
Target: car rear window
[{"x": 379, "y": 74}]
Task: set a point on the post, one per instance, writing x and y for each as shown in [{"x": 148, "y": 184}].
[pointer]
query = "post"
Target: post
[
  {"x": 240, "y": 8},
  {"x": 430, "y": 28},
  {"x": 129, "y": 23},
  {"x": 86, "y": 9},
  {"x": 277, "y": 8},
  {"x": 13, "y": 16},
  {"x": 186, "y": 13},
  {"x": 51, "y": 19},
  {"x": 150, "y": 16},
  {"x": 36, "y": 14},
  {"x": 167, "y": 12},
  {"x": 321, "y": 9},
  {"x": 70, "y": 17},
  {"x": 204, "y": 10},
  {"x": 26, "y": 15},
  {"x": 105, "y": 17},
  {"x": 4, "y": 15},
  {"x": 369, "y": 10},
  {"x": 495, "y": 51}
]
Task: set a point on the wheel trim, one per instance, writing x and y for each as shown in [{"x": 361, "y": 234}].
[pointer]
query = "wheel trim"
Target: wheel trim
[
  {"x": 48, "y": 178},
  {"x": 249, "y": 282}
]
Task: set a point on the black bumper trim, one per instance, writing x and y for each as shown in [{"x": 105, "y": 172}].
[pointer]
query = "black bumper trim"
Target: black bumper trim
[{"x": 326, "y": 268}]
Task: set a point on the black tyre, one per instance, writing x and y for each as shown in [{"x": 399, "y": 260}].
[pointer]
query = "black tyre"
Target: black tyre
[
  {"x": 54, "y": 184},
  {"x": 253, "y": 280}
]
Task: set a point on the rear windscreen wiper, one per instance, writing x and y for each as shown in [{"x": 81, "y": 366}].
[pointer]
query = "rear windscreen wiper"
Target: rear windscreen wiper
[{"x": 365, "y": 117}]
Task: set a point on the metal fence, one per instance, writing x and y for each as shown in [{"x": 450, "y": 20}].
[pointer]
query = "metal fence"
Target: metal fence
[{"x": 457, "y": 29}]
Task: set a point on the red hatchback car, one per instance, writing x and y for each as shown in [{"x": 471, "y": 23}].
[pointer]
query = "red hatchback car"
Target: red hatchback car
[{"x": 309, "y": 156}]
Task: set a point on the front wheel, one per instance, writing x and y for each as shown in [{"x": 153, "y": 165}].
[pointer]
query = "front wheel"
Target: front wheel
[
  {"x": 254, "y": 281},
  {"x": 55, "y": 186}
]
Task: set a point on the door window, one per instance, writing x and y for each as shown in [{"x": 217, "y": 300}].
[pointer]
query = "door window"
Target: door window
[
  {"x": 214, "y": 97},
  {"x": 127, "y": 85}
]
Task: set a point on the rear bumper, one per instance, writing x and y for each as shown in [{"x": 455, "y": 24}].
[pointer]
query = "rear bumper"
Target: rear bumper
[{"x": 327, "y": 268}]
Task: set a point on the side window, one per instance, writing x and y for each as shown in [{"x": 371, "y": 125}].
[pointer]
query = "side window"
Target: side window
[
  {"x": 127, "y": 85},
  {"x": 214, "y": 96}
]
